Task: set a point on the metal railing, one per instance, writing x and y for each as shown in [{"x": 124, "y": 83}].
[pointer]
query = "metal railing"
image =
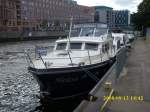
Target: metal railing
[{"x": 38, "y": 55}]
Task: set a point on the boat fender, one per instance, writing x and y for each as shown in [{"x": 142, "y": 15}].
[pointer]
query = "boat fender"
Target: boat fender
[{"x": 81, "y": 64}]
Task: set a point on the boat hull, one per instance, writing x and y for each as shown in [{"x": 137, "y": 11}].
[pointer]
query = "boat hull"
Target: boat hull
[{"x": 64, "y": 83}]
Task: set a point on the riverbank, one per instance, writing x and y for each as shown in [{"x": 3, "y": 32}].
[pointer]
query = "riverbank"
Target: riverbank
[
  {"x": 25, "y": 36},
  {"x": 136, "y": 80}
]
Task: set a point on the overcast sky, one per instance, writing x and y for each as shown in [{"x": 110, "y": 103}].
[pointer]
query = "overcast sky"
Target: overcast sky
[{"x": 115, "y": 4}]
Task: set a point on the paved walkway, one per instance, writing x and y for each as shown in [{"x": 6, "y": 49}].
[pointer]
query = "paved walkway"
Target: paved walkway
[{"x": 135, "y": 81}]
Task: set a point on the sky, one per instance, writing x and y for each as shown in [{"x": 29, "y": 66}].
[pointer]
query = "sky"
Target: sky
[{"x": 115, "y": 4}]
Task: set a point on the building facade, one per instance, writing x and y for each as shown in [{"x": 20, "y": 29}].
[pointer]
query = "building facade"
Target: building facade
[
  {"x": 36, "y": 14},
  {"x": 103, "y": 14},
  {"x": 113, "y": 18},
  {"x": 121, "y": 18},
  {"x": 8, "y": 18}
]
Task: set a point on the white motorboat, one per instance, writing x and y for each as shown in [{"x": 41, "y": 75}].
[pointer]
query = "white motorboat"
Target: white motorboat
[{"x": 76, "y": 63}]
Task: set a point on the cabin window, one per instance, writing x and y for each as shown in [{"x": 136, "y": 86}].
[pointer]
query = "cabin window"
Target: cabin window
[
  {"x": 61, "y": 46},
  {"x": 105, "y": 48},
  {"x": 91, "y": 46},
  {"x": 118, "y": 44},
  {"x": 75, "y": 45}
]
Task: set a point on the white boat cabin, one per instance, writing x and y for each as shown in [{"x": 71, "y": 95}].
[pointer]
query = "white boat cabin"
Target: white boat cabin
[
  {"x": 76, "y": 52},
  {"x": 89, "y": 46}
]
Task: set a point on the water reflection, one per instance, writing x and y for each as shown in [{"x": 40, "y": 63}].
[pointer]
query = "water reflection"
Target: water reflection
[
  {"x": 59, "y": 106},
  {"x": 18, "y": 89}
]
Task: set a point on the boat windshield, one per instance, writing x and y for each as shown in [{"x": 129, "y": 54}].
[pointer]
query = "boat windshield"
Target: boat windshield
[
  {"x": 91, "y": 46},
  {"x": 100, "y": 31},
  {"x": 61, "y": 46},
  {"x": 75, "y": 46},
  {"x": 93, "y": 32},
  {"x": 75, "y": 32},
  {"x": 87, "y": 32}
]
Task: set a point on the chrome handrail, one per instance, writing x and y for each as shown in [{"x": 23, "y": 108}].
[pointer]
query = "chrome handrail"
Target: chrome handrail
[
  {"x": 28, "y": 58},
  {"x": 43, "y": 61},
  {"x": 89, "y": 56},
  {"x": 73, "y": 57},
  {"x": 70, "y": 58}
]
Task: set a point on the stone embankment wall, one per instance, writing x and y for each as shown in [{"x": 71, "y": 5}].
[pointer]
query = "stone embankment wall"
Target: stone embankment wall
[
  {"x": 14, "y": 36},
  {"x": 148, "y": 33}
]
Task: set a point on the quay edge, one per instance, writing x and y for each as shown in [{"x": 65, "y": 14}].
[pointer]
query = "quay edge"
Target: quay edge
[{"x": 18, "y": 36}]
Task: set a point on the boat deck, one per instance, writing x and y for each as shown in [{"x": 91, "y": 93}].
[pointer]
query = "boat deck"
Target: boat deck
[{"x": 134, "y": 82}]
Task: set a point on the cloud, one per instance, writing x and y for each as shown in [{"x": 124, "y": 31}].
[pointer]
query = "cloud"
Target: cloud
[
  {"x": 116, "y": 4},
  {"x": 125, "y": 2},
  {"x": 128, "y": 4}
]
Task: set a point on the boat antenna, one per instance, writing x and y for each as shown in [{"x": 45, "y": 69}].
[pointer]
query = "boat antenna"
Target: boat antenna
[{"x": 71, "y": 19}]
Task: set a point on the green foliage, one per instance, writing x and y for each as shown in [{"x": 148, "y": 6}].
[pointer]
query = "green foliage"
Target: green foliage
[
  {"x": 44, "y": 24},
  {"x": 142, "y": 17}
]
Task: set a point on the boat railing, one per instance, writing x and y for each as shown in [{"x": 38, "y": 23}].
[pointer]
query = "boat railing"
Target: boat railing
[
  {"x": 34, "y": 55},
  {"x": 28, "y": 58}
]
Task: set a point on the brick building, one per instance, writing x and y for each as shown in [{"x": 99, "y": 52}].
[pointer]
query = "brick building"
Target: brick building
[
  {"x": 34, "y": 14},
  {"x": 8, "y": 18}
]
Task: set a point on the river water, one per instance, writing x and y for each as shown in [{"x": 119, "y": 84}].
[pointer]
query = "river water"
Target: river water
[{"x": 19, "y": 91}]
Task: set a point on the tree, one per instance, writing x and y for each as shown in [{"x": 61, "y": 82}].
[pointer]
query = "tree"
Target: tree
[
  {"x": 144, "y": 13},
  {"x": 44, "y": 24},
  {"x": 135, "y": 20},
  {"x": 141, "y": 19}
]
